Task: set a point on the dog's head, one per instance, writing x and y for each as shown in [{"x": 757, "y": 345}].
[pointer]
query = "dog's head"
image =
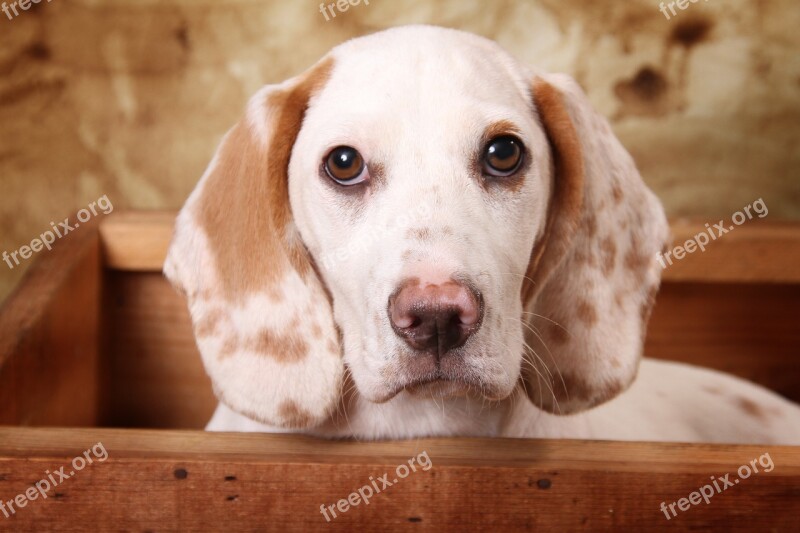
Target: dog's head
[{"x": 422, "y": 210}]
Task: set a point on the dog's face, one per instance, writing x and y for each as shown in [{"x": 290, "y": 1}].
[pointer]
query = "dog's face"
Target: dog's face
[
  {"x": 408, "y": 209},
  {"x": 420, "y": 195}
]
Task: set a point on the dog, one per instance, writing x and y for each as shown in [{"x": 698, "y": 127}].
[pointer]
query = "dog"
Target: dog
[{"x": 420, "y": 237}]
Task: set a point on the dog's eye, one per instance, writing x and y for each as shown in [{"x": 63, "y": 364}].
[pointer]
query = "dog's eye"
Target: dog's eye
[
  {"x": 345, "y": 166},
  {"x": 502, "y": 156}
]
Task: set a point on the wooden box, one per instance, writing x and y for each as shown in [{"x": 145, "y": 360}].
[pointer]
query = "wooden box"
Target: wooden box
[{"x": 96, "y": 348}]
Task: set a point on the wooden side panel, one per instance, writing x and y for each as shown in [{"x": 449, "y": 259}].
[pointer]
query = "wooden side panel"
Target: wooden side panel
[
  {"x": 158, "y": 380},
  {"x": 749, "y": 330},
  {"x": 190, "y": 481},
  {"x": 50, "y": 368},
  {"x": 156, "y": 374}
]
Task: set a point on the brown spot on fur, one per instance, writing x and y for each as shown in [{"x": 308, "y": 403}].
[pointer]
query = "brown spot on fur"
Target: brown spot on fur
[
  {"x": 608, "y": 252},
  {"x": 285, "y": 348},
  {"x": 447, "y": 231},
  {"x": 229, "y": 347},
  {"x": 586, "y": 258},
  {"x": 246, "y": 194},
  {"x": 557, "y": 334},
  {"x": 207, "y": 325},
  {"x": 591, "y": 225},
  {"x": 316, "y": 330},
  {"x": 616, "y": 192},
  {"x": 750, "y": 407},
  {"x": 422, "y": 234},
  {"x": 294, "y": 416},
  {"x": 586, "y": 313},
  {"x": 637, "y": 263},
  {"x": 406, "y": 255}
]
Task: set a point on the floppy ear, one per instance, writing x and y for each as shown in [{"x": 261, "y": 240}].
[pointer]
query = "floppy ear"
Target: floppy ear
[
  {"x": 261, "y": 316},
  {"x": 593, "y": 274}
]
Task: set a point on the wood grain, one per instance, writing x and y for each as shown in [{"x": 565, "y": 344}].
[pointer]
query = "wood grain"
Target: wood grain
[
  {"x": 187, "y": 481},
  {"x": 50, "y": 366}
]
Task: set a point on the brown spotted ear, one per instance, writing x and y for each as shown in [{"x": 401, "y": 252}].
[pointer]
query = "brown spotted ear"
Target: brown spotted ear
[
  {"x": 593, "y": 274},
  {"x": 262, "y": 318}
]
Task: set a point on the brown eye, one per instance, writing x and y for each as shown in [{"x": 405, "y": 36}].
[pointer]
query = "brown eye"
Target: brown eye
[
  {"x": 502, "y": 156},
  {"x": 345, "y": 166}
]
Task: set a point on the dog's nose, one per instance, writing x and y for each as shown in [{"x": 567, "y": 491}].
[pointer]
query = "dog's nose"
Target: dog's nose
[{"x": 440, "y": 317}]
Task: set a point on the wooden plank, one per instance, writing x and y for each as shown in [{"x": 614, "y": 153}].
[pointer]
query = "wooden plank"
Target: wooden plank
[
  {"x": 50, "y": 368},
  {"x": 757, "y": 251},
  {"x": 136, "y": 240},
  {"x": 182, "y": 481}
]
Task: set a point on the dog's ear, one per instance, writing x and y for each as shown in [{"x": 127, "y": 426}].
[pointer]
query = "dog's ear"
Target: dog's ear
[
  {"x": 262, "y": 317},
  {"x": 593, "y": 274}
]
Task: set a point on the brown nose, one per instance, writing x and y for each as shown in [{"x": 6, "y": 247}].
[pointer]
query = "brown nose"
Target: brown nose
[{"x": 435, "y": 317}]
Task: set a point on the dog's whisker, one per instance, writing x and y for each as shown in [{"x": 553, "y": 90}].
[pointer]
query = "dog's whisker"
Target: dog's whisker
[
  {"x": 535, "y": 331},
  {"x": 549, "y": 382},
  {"x": 548, "y": 319}
]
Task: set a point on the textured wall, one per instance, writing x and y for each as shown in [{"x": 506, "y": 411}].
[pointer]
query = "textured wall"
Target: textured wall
[{"x": 128, "y": 98}]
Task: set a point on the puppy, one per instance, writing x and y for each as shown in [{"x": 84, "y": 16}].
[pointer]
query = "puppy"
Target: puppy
[{"x": 419, "y": 236}]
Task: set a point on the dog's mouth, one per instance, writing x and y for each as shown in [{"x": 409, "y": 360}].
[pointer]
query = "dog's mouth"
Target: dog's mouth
[
  {"x": 438, "y": 387},
  {"x": 442, "y": 382}
]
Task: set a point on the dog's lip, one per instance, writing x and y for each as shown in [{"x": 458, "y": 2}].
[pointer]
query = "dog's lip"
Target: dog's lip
[
  {"x": 433, "y": 380},
  {"x": 418, "y": 383},
  {"x": 442, "y": 387}
]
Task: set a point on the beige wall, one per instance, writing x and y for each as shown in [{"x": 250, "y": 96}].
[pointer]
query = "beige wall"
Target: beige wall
[{"x": 128, "y": 98}]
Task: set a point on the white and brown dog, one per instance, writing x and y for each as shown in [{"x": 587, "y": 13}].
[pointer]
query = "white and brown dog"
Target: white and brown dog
[{"x": 419, "y": 236}]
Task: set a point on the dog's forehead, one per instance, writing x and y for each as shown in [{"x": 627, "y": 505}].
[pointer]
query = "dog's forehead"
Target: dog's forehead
[{"x": 423, "y": 71}]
